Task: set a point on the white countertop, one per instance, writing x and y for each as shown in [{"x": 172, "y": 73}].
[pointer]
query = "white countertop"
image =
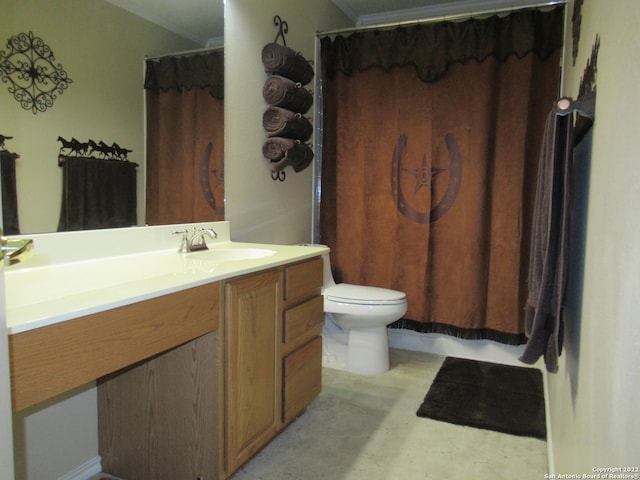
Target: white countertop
[{"x": 43, "y": 293}]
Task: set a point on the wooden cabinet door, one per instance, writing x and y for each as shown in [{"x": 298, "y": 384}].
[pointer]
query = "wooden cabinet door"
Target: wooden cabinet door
[
  {"x": 157, "y": 420},
  {"x": 254, "y": 374}
]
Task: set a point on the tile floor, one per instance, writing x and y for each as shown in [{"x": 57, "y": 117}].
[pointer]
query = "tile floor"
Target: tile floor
[{"x": 365, "y": 428}]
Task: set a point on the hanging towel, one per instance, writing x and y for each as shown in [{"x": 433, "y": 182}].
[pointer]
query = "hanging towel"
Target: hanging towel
[
  {"x": 548, "y": 263},
  {"x": 97, "y": 194},
  {"x": 11, "y": 224},
  {"x": 279, "y": 91},
  {"x": 280, "y": 60},
  {"x": 280, "y": 122}
]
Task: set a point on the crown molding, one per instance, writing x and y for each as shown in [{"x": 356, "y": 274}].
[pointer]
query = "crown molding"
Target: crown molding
[{"x": 443, "y": 10}]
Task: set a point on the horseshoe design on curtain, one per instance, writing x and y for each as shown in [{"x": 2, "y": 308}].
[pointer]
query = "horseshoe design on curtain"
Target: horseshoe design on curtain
[
  {"x": 448, "y": 199},
  {"x": 205, "y": 182}
]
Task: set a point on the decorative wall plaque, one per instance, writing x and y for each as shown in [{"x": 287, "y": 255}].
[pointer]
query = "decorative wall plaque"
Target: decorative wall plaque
[
  {"x": 29, "y": 67},
  {"x": 576, "y": 21}
]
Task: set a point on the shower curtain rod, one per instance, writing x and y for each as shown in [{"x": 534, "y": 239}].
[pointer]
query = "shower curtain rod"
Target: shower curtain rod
[
  {"x": 187, "y": 52},
  {"x": 440, "y": 18}
]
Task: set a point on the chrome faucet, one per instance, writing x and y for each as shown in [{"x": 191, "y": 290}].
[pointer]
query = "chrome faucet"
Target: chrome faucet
[
  {"x": 196, "y": 241},
  {"x": 14, "y": 250}
]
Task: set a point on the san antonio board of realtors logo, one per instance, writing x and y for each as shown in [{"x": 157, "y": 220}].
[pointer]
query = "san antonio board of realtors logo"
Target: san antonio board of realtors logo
[{"x": 424, "y": 176}]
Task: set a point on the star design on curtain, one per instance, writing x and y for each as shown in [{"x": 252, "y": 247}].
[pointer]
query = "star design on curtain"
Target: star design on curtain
[
  {"x": 424, "y": 178},
  {"x": 423, "y": 175}
]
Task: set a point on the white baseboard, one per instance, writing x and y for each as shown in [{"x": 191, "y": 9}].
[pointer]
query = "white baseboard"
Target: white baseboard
[
  {"x": 483, "y": 350},
  {"x": 85, "y": 471},
  {"x": 551, "y": 464}
]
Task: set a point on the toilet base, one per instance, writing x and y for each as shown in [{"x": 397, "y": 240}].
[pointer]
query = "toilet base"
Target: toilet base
[{"x": 366, "y": 351}]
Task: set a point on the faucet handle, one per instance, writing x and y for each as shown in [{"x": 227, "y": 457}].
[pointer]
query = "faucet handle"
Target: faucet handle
[{"x": 184, "y": 242}]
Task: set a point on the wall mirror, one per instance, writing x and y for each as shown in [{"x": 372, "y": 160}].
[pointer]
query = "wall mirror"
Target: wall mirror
[{"x": 101, "y": 44}]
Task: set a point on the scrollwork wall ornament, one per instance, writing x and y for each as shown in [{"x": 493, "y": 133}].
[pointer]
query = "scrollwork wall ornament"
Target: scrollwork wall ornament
[{"x": 29, "y": 68}]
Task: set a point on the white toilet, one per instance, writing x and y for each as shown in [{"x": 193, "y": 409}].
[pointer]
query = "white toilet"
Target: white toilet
[{"x": 355, "y": 326}]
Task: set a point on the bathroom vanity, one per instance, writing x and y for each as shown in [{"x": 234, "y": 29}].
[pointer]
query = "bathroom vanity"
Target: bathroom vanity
[
  {"x": 273, "y": 354},
  {"x": 199, "y": 364}
]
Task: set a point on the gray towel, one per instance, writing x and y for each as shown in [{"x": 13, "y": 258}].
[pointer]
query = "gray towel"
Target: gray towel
[
  {"x": 285, "y": 151},
  {"x": 281, "y": 92},
  {"x": 280, "y": 60},
  {"x": 275, "y": 148},
  {"x": 280, "y": 122},
  {"x": 548, "y": 263},
  {"x": 299, "y": 157}
]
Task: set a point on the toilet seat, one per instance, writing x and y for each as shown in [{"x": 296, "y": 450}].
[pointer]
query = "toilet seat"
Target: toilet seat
[{"x": 364, "y": 295}]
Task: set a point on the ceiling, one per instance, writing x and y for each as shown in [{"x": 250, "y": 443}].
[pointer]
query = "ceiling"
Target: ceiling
[
  {"x": 199, "y": 20},
  {"x": 203, "y": 20}
]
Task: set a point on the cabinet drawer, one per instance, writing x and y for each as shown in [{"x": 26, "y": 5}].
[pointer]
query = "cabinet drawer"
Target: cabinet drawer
[
  {"x": 302, "y": 378},
  {"x": 303, "y": 280},
  {"x": 303, "y": 322},
  {"x": 54, "y": 359}
]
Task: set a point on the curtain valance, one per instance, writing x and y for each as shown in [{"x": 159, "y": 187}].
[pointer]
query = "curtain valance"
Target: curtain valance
[
  {"x": 432, "y": 48},
  {"x": 185, "y": 72}
]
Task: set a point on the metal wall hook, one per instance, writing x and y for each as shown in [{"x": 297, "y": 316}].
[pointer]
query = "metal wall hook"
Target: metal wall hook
[
  {"x": 283, "y": 29},
  {"x": 280, "y": 175}
]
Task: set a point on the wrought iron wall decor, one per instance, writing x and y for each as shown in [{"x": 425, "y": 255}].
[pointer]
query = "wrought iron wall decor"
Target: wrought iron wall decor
[
  {"x": 30, "y": 69},
  {"x": 576, "y": 22},
  {"x": 288, "y": 101},
  {"x": 92, "y": 149},
  {"x": 283, "y": 29},
  {"x": 4, "y": 138},
  {"x": 588, "y": 79}
]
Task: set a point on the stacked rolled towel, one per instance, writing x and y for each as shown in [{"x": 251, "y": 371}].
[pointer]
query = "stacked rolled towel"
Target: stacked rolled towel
[
  {"x": 279, "y": 122},
  {"x": 275, "y": 148},
  {"x": 285, "y": 151},
  {"x": 288, "y": 100},
  {"x": 282, "y": 92},
  {"x": 281, "y": 60}
]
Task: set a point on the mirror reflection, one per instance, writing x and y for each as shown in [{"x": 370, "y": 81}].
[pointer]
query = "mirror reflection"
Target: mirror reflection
[{"x": 101, "y": 45}]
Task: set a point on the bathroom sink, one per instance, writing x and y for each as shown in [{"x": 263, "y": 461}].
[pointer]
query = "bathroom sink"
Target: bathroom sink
[
  {"x": 74, "y": 274},
  {"x": 221, "y": 254},
  {"x": 47, "y": 283}
]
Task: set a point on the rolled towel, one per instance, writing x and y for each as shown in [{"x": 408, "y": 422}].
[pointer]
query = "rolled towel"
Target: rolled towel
[
  {"x": 281, "y": 60},
  {"x": 279, "y": 91},
  {"x": 275, "y": 148},
  {"x": 280, "y": 122},
  {"x": 299, "y": 156}
]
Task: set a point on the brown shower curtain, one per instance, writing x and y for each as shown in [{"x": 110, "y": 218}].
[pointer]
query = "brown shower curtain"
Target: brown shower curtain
[
  {"x": 185, "y": 139},
  {"x": 429, "y": 164}
]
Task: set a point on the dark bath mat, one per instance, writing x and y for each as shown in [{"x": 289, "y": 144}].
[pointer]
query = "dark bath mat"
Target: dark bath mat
[{"x": 487, "y": 395}]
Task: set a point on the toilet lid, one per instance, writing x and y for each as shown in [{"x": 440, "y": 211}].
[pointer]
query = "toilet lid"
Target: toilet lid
[{"x": 363, "y": 295}]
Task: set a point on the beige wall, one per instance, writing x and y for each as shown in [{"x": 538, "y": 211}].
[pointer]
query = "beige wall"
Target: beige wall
[
  {"x": 594, "y": 397},
  {"x": 101, "y": 47},
  {"x": 259, "y": 208}
]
